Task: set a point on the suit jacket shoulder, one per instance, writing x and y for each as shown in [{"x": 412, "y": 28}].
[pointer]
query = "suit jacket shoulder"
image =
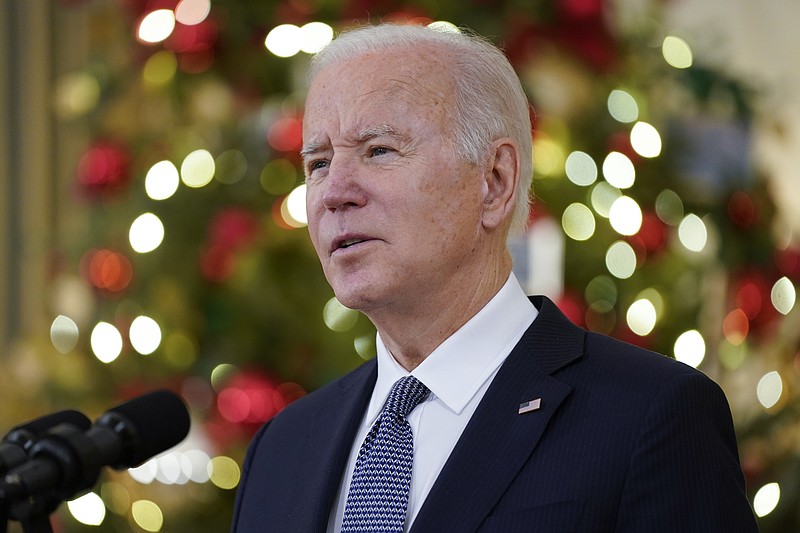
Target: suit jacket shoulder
[
  {"x": 623, "y": 440},
  {"x": 294, "y": 463}
]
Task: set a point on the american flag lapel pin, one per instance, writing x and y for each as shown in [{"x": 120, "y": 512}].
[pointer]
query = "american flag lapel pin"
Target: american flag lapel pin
[{"x": 531, "y": 405}]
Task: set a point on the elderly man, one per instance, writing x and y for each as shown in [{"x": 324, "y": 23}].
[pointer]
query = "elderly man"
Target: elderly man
[{"x": 484, "y": 410}]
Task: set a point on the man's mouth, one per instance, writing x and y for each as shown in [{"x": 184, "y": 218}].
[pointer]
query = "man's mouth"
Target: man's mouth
[
  {"x": 350, "y": 242},
  {"x": 344, "y": 244}
]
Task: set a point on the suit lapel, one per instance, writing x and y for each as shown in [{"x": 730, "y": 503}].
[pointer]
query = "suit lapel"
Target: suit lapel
[
  {"x": 330, "y": 440},
  {"x": 498, "y": 440}
]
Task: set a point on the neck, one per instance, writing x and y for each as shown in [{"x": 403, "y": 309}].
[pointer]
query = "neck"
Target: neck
[{"x": 412, "y": 334}]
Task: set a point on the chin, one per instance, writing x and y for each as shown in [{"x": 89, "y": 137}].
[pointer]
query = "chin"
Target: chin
[{"x": 359, "y": 298}]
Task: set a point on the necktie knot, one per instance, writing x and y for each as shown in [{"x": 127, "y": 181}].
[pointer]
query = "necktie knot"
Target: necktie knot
[{"x": 406, "y": 394}]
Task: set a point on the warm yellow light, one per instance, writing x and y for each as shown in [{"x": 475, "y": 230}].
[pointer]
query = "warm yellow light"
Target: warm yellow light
[
  {"x": 220, "y": 375},
  {"x": 145, "y": 473},
  {"x": 581, "y": 168},
  {"x": 625, "y": 216},
  {"x": 64, "y": 334},
  {"x": 162, "y": 180},
  {"x": 314, "y": 36},
  {"x": 284, "y": 40},
  {"x": 766, "y": 499},
  {"x": 197, "y": 169},
  {"x": 156, "y": 26},
  {"x": 338, "y": 317},
  {"x": 769, "y": 389},
  {"x": 622, "y": 106},
  {"x": 645, "y": 140},
  {"x": 444, "y": 26},
  {"x": 548, "y": 157},
  {"x": 146, "y": 233},
  {"x": 618, "y": 170},
  {"x": 106, "y": 342},
  {"x": 88, "y": 509},
  {"x": 669, "y": 207},
  {"x": 365, "y": 346},
  {"x": 655, "y": 298},
  {"x": 578, "y": 222},
  {"x": 76, "y": 94},
  {"x": 145, "y": 335},
  {"x": 198, "y": 460},
  {"x": 147, "y": 515},
  {"x": 224, "y": 472},
  {"x": 676, "y": 52},
  {"x": 603, "y": 197},
  {"x": 690, "y": 348},
  {"x": 641, "y": 317},
  {"x": 295, "y": 207},
  {"x": 692, "y": 233},
  {"x": 783, "y": 295},
  {"x": 621, "y": 260},
  {"x": 191, "y": 12},
  {"x": 160, "y": 68}
]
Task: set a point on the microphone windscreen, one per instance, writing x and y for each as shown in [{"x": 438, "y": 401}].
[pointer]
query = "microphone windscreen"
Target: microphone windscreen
[
  {"x": 41, "y": 425},
  {"x": 159, "y": 419}
]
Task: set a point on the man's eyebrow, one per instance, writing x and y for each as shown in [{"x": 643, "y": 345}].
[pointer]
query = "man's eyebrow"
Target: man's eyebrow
[
  {"x": 312, "y": 148},
  {"x": 376, "y": 131},
  {"x": 362, "y": 136}
]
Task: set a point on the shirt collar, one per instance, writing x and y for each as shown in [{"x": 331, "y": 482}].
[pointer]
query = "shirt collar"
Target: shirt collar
[{"x": 456, "y": 369}]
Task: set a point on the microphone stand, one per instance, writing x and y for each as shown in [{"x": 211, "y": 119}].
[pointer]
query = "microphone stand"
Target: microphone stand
[{"x": 33, "y": 513}]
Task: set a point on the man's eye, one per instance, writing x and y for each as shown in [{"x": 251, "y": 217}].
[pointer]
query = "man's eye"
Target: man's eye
[
  {"x": 378, "y": 150},
  {"x": 316, "y": 165}
]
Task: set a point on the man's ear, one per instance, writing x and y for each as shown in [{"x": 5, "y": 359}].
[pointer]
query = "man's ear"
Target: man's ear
[{"x": 501, "y": 180}]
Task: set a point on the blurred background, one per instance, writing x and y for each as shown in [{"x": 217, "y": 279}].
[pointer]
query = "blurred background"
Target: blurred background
[{"x": 152, "y": 215}]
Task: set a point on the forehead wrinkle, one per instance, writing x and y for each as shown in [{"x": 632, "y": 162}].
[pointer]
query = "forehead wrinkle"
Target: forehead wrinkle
[{"x": 421, "y": 93}]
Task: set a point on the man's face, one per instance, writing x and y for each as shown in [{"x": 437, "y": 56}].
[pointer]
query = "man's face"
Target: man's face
[{"x": 393, "y": 213}]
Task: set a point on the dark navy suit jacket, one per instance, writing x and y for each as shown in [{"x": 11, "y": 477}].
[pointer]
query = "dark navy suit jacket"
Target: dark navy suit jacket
[{"x": 624, "y": 440}]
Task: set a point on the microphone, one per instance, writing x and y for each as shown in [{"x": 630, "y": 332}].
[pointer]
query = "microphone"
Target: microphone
[
  {"x": 18, "y": 441},
  {"x": 67, "y": 461}
]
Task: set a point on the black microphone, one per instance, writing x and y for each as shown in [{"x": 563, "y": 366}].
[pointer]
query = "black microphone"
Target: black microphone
[
  {"x": 67, "y": 461},
  {"x": 17, "y": 443}
]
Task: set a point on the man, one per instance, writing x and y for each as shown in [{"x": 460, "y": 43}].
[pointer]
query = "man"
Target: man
[{"x": 417, "y": 159}]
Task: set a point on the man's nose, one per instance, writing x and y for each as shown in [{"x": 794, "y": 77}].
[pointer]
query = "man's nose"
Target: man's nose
[{"x": 343, "y": 188}]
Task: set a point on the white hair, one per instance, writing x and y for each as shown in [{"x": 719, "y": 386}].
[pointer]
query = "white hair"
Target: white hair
[{"x": 490, "y": 102}]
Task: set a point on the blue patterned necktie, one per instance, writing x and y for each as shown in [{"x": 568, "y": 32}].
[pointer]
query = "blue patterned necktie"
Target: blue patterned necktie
[{"x": 378, "y": 496}]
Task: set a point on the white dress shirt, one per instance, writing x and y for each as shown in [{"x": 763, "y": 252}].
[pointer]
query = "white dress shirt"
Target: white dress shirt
[{"x": 457, "y": 372}]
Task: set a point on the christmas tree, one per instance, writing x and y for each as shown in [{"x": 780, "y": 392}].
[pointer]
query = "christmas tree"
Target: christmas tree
[{"x": 189, "y": 267}]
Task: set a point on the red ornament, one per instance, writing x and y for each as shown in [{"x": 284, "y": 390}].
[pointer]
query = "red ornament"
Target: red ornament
[
  {"x": 788, "y": 262},
  {"x": 742, "y": 210},
  {"x": 653, "y": 233},
  {"x": 216, "y": 262},
  {"x": 250, "y": 397},
  {"x": 582, "y": 27},
  {"x": 104, "y": 169},
  {"x": 107, "y": 270},
  {"x": 286, "y": 134},
  {"x": 233, "y": 228},
  {"x": 573, "y": 307},
  {"x": 736, "y": 326},
  {"x": 194, "y": 45},
  {"x": 751, "y": 294},
  {"x": 621, "y": 142},
  {"x": 229, "y": 231},
  {"x": 581, "y": 9}
]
